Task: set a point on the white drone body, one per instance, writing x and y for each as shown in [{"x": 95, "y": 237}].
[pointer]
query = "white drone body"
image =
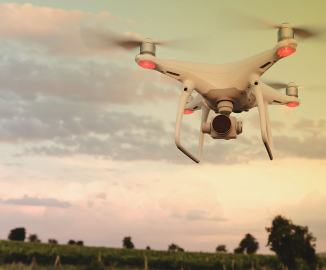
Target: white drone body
[{"x": 226, "y": 88}]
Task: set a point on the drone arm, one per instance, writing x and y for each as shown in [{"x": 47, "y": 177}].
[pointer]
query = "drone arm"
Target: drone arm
[
  {"x": 263, "y": 115},
  {"x": 188, "y": 87}
]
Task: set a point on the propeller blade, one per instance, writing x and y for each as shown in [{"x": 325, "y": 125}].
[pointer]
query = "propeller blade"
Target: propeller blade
[
  {"x": 100, "y": 38},
  {"x": 247, "y": 21},
  {"x": 277, "y": 86},
  {"x": 280, "y": 85}
]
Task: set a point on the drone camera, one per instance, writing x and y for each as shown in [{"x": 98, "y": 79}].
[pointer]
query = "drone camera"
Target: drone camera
[
  {"x": 221, "y": 124},
  {"x": 223, "y": 127}
]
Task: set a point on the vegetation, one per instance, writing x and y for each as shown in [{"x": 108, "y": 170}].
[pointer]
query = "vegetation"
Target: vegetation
[
  {"x": 17, "y": 234},
  {"x": 127, "y": 243},
  {"x": 52, "y": 241},
  {"x": 291, "y": 242},
  {"x": 174, "y": 247},
  {"x": 114, "y": 258},
  {"x": 248, "y": 245},
  {"x": 221, "y": 248},
  {"x": 33, "y": 238}
]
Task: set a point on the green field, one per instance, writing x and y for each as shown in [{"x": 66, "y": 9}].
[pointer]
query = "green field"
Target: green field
[{"x": 73, "y": 257}]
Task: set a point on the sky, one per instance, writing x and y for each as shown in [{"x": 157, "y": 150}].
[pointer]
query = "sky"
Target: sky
[{"x": 87, "y": 136}]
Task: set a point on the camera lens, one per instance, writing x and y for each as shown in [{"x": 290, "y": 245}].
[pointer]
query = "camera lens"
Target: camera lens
[{"x": 221, "y": 124}]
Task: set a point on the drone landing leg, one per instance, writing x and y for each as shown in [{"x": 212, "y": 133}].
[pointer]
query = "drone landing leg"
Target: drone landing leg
[
  {"x": 268, "y": 126},
  {"x": 263, "y": 115},
  {"x": 188, "y": 87}
]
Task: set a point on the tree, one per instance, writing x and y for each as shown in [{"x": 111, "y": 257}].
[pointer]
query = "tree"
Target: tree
[
  {"x": 238, "y": 250},
  {"x": 33, "y": 238},
  {"x": 71, "y": 242},
  {"x": 174, "y": 247},
  {"x": 221, "y": 248},
  {"x": 52, "y": 241},
  {"x": 148, "y": 248},
  {"x": 80, "y": 243},
  {"x": 17, "y": 234},
  {"x": 127, "y": 242},
  {"x": 290, "y": 241},
  {"x": 248, "y": 245}
]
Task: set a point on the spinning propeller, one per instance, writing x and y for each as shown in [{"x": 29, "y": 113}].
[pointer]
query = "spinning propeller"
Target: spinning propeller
[
  {"x": 245, "y": 21},
  {"x": 278, "y": 85},
  {"x": 105, "y": 38}
]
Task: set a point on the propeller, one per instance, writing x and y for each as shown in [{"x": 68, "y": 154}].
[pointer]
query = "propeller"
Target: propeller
[
  {"x": 245, "y": 21},
  {"x": 279, "y": 85},
  {"x": 105, "y": 39},
  {"x": 100, "y": 38}
]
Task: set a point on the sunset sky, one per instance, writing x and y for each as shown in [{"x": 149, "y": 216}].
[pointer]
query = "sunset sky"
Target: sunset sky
[{"x": 87, "y": 136}]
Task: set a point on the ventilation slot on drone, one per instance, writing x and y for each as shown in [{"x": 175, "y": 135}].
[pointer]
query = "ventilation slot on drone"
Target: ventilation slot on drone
[
  {"x": 265, "y": 65},
  {"x": 175, "y": 74}
]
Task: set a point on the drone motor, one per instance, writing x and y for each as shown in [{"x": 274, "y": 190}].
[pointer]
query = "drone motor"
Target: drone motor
[
  {"x": 285, "y": 32},
  {"x": 148, "y": 46},
  {"x": 292, "y": 90}
]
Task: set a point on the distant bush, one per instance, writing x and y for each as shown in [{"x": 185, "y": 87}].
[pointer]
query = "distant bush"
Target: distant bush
[
  {"x": 17, "y": 234},
  {"x": 52, "y": 241},
  {"x": 71, "y": 242},
  {"x": 80, "y": 243},
  {"x": 33, "y": 238}
]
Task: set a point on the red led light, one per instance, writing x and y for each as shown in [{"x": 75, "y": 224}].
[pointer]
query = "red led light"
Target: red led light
[
  {"x": 147, "y": 64},
  {"x": 285, "y": 51},
  {"x": 292, "y": 104},
  {"x": 187, "y": 112}
]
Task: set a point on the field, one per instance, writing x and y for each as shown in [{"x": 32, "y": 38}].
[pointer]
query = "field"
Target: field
[{"x": 19, "y": 255}]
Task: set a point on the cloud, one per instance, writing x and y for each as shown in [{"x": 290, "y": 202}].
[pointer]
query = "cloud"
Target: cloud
[
  {"x": 56, "y": 31},
  {"x": 194, "y": 215},
  {"x": 59, "y": 127},
  {"x": 80, "y": 81},
  {"x": 34, "y": 201},
  {"x": 310, "y": 127},
  {"x": 310, "y": 147},
  {"x": 101, "y": 195}
]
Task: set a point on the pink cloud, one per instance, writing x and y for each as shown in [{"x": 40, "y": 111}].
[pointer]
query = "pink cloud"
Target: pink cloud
[{"x": 56, "y": 30}]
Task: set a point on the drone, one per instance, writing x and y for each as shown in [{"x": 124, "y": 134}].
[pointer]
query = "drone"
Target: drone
[{"x": 223, "y": 88}]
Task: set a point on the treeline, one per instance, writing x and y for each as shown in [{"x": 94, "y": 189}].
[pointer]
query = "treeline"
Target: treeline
[
  {"x": 293, "y": 244},
  {"x": 46, "y": 254},
  {"x": 19, "y": 234}
]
